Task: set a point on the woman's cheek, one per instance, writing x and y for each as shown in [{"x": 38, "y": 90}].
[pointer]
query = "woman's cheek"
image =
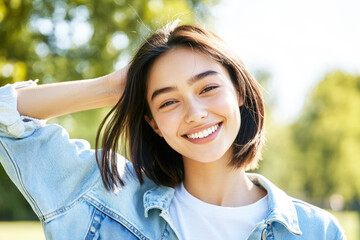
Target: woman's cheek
[
  {"x": 223, "y": 102},
  {"x": 168, "y": 122}
]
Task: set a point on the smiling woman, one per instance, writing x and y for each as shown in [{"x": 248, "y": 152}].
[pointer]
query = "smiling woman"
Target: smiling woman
[
  {"x": 191, "y": 117},
  {"x": 202, "y": 97}
]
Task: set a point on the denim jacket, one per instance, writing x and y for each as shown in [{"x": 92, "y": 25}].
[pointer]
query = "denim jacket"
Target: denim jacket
[{"x": 59, "y": 177}]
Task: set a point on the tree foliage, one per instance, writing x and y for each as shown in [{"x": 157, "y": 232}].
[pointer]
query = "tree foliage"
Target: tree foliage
[
  {"x": 67, "y": 40},
  {"x": 319, "y": 154},
  {"x": 328, "y": 138}
]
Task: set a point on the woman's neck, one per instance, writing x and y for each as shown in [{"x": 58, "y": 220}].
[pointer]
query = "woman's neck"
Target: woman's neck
[{"x": 218, "y": 184}]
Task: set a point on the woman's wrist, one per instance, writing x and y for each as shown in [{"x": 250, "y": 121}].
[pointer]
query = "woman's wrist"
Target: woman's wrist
[{"x": 115, "y": 84}]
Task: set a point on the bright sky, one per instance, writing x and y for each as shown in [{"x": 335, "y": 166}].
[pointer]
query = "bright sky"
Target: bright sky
[{"x": 296, "y": 41}]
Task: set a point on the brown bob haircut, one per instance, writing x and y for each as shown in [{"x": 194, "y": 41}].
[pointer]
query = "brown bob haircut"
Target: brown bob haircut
[{"x": 151, "y": 156}]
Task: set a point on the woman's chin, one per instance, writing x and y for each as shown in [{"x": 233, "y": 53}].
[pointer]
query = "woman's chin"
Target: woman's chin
[{"x": 205, "y": 158}]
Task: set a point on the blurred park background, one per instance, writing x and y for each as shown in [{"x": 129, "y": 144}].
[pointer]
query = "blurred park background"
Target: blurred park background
[{"x": 312, "y": 89}]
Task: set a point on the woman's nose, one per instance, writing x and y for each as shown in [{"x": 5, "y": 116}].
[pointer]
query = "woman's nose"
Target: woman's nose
[{"x": 195, "y": 111}]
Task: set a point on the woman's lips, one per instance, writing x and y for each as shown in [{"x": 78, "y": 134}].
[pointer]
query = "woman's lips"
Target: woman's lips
[{"x": 195, "y": 138}]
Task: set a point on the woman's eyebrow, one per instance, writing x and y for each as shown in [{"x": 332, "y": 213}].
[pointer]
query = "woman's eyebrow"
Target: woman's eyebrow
[
  {"x": 162, "y": 90},
  {"x": 200, "y": 76},
  {"x": 190, "y": 82}
]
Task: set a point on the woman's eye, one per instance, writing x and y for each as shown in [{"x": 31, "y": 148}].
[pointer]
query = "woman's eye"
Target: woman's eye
[
  {"x": 167, "y": 104},
  {"x": 208, "y": 89}
]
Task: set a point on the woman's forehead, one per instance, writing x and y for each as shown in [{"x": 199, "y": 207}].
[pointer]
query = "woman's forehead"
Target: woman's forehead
[{"x": 178, "y": 65}]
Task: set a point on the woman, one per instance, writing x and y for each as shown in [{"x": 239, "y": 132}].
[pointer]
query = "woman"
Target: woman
[{"x": 191, "y": 119}]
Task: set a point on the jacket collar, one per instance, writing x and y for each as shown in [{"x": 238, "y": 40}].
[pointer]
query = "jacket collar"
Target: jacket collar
[
  {"x": 281, "y": 206},
  {"x": 158, "y": 197}
]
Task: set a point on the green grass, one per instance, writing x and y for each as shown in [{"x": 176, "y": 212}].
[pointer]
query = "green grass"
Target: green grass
[
  {"x": 350, "y": 221},
  {"x": 21, "y": 230}
]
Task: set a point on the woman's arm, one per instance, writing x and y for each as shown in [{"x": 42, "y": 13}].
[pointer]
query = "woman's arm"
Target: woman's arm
[{"x": 56, "y": 99}]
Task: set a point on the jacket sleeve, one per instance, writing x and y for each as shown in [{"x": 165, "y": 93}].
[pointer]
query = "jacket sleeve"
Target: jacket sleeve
[{"x": 51, "y": 170}]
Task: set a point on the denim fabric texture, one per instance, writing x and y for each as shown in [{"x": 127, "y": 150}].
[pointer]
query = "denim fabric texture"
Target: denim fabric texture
[{"x": 59, "y": 177}]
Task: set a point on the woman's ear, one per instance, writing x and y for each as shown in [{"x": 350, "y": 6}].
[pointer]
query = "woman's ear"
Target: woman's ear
[{"x": 153, "y": 125}]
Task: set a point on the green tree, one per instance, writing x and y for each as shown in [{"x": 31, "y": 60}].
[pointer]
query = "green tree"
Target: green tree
[
  {"x": 328, "y": 138},
  {"x": 319, "y": 154},
  {"x": 66, "y": 40},
  {"x": 57, "y": 40}
]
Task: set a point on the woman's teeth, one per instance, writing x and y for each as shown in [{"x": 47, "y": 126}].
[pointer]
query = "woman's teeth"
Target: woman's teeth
[{"x": 203, "y": 133}]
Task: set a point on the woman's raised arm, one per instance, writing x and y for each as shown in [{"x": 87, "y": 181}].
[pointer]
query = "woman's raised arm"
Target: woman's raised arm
[{"x": 56, "y": 99}]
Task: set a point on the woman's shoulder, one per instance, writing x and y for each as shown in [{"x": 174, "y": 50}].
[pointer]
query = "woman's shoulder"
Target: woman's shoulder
[
  {"x": 311, "y": 212},
  {"x": 131, "y": 189},
  {"x": 317, "y": 220},
  {"x": 133, "y": 200}
]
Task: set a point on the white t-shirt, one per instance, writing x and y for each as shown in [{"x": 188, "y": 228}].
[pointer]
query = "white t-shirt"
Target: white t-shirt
[{"x": 198, "y": 220}]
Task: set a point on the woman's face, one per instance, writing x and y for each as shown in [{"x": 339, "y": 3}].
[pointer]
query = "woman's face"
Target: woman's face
[{"x": 194, "y": 105}]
